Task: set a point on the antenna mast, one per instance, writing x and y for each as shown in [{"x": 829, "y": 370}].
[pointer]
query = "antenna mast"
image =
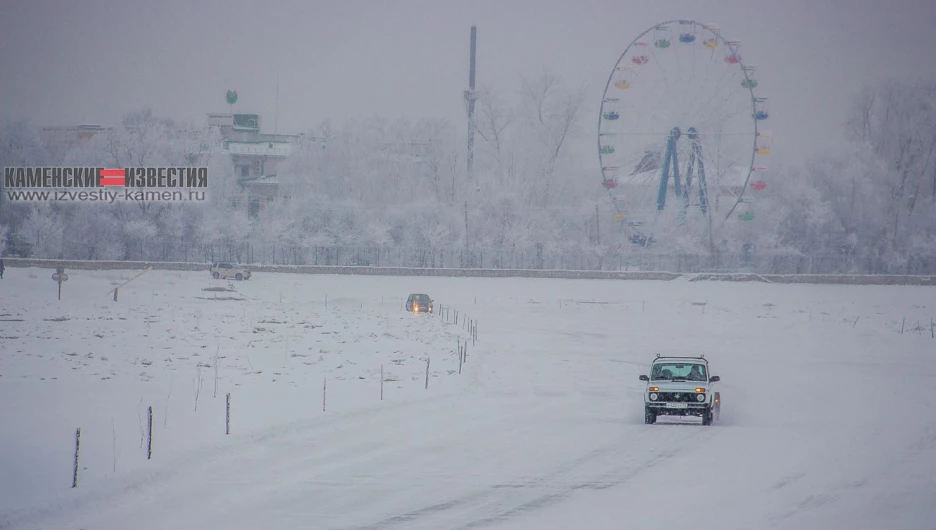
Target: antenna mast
[
  {"x": 276, "y": 111},
  {"x": 470, "y": 97}
]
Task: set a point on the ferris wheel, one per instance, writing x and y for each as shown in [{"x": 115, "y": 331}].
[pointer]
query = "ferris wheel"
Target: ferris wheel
[{"x": 679, "y": 135}]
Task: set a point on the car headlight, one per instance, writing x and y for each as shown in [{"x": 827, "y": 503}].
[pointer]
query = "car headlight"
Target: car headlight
[
  {"x": 653, "y": 396},
  {"x": 700, "y": 397}
]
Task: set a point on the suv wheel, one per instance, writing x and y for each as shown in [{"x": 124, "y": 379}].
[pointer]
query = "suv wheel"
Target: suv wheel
[
  {"x": 215, "y": 275},
  {"x": 239, "y": 276},
  {"x": 707, "y": 416},
  {"x": 649, "y": 416}
]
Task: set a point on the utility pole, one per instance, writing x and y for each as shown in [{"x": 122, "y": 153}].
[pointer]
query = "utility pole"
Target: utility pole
[
  {"x": 466, "y": 233},
  {"x": 597, "y": 226},
  {"x": 598, "y": 237},
  {"x": 276, "y": 111},
  {"x": 470, "y": 97}
]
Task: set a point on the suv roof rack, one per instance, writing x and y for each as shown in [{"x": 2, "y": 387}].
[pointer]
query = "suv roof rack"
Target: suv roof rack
[{"x": 658, "y": 356}]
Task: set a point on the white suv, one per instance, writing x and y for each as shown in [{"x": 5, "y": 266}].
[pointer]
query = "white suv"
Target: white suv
[
  {"x": 681, "y": 386},
  {"x": 228, "y": 271}
]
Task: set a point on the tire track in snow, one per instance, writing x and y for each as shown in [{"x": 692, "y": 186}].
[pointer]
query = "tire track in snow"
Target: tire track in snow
[
  {"x": 911, "y": 458},
  {"x": 604, "y": 467}
]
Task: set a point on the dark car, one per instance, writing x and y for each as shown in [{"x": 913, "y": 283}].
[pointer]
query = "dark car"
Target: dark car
[{"x": 419, "y": 303}]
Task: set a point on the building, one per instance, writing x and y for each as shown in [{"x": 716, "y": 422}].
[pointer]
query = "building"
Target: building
[
  {"x": 256, "y": 156},
  {"x": 254, "y": 153},
  {"x": 69, "y": 137}
]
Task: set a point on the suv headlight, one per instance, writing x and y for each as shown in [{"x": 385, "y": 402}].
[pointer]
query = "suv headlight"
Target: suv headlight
[
  {"x": 653, "y": 396},
  {"x": 700, "y": 397}
]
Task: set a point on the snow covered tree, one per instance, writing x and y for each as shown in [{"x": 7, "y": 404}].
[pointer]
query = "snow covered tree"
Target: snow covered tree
[
  {"x": 493, "y": 120},
  {"x": 4, "y": 234},
  {"x": 550, "y": 111},
  {"x": 897, "y": 122},
  {"x": 20, "y": 145},
  {"x": 42, "y": 230}
]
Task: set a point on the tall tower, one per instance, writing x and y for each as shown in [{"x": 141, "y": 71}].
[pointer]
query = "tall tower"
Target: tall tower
[{"x": 470, "y": 97}]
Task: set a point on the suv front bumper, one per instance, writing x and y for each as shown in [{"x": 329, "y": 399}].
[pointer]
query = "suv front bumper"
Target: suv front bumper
[{"x": 680, "y": 409}]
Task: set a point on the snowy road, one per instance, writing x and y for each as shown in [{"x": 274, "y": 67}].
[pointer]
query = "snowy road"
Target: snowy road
[{"x": 827, "y": 419}]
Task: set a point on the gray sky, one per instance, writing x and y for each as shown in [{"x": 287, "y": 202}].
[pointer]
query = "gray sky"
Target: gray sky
[{"x": 91, "y": 61}]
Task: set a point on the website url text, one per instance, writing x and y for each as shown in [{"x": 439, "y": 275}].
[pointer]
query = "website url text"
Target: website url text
[{"x": 106, "y": 196}]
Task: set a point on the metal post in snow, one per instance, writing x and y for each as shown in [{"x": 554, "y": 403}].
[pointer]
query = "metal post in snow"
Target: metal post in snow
[
  {"x": 149, "y": 436},
  {"x": 77, "y": 446}
]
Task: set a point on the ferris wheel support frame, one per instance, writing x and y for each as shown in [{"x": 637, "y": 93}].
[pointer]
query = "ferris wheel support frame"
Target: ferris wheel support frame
[
  {"x": 669, "y": 157},
  {"x": 695, "y": 162}
]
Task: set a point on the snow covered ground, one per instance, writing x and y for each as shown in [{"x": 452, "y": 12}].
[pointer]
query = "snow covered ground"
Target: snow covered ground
[{"x": 827, "y": 422}]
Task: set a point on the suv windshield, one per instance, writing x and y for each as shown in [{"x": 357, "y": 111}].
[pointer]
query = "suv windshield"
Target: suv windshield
[
  {"x": 421, "y": 297},
  {"x": 678, "y": 371}
]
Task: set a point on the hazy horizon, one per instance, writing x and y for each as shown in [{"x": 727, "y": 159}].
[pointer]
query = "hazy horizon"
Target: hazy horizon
[{"x": 94, "y": 61}]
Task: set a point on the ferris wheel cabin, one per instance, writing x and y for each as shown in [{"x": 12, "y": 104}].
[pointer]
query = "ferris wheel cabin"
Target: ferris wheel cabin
[
  {"x": 762, "y": 146},
  {"x": 639, "y": 56},
  {"x": 750, "y": 80},
  {"x": 687, "y": 31},
  {"x": 661, "y": 37},
  {"x": 761, "y": 110},
  {"x": 733, "y": 52},
  {"x": 622, "y": 77}
]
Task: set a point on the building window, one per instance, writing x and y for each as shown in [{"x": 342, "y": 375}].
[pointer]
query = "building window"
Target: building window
[{"x": 245, "y": 171}]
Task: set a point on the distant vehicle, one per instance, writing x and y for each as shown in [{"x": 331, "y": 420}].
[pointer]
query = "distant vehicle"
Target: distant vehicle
[
  {"x": 227, "y": 271},
  {"x": 419, "y": 303},
  {"x": 681, "y": 386}
]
